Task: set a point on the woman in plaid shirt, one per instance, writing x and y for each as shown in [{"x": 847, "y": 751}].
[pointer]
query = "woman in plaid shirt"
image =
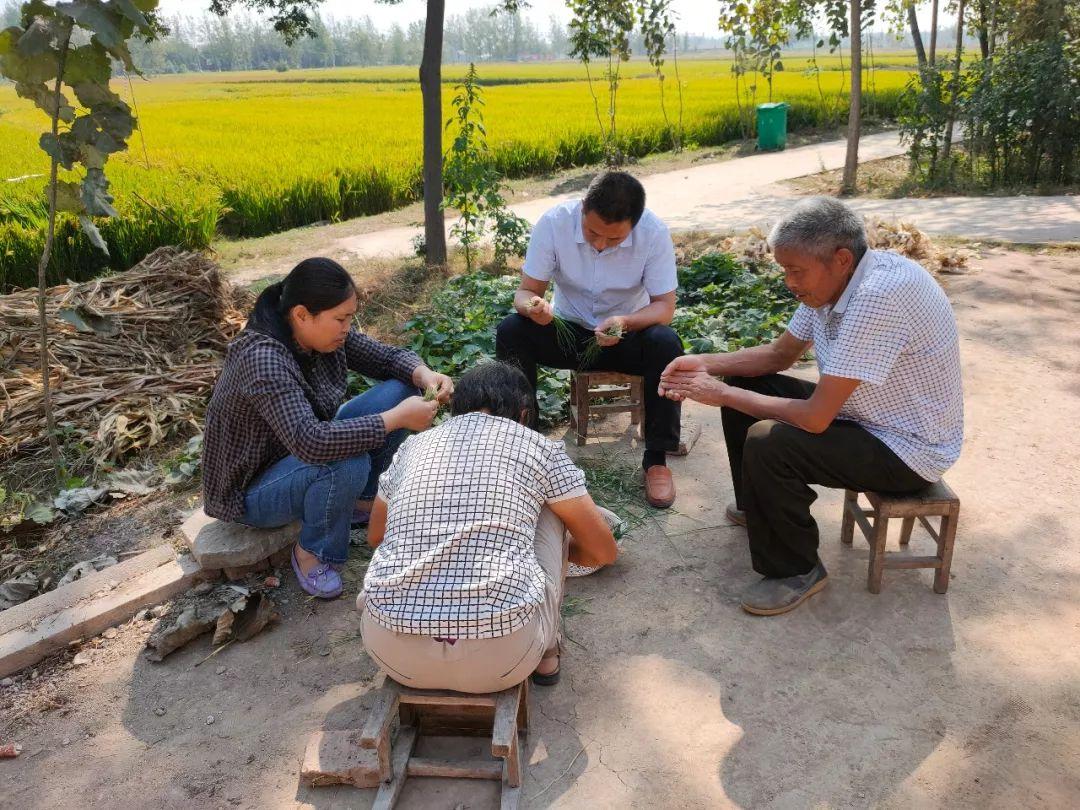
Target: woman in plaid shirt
[{"x": 280, "y": 444}]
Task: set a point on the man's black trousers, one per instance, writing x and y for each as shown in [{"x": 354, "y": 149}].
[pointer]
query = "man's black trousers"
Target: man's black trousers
[
  {"x": 773, "y": 465},
  {"x": 527, "y": 344}
]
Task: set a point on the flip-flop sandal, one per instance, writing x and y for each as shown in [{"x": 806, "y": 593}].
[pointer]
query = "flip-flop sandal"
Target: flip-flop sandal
[{"x": 551, "y": 678}]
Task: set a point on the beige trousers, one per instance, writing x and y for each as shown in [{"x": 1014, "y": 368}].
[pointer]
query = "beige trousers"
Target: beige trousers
[{"x": 485, "y": 664}]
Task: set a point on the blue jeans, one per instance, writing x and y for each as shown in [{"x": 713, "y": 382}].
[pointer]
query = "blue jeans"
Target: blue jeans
[{"x": 322, "y": 496}]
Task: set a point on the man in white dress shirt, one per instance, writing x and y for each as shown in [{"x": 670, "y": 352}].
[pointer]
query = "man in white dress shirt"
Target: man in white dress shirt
[
  {"x": 887, "y": 414},
  {"x": 613, "y": 265}
]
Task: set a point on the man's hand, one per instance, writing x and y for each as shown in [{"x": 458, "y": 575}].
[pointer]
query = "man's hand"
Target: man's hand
[
  {"x": 696, "y": 385},
  {"x": 539, "y": 310},
  {"x": 687, "y": 364},
  {"x": 424, "y": 378},
  {"x": 414, "y": 413},
  {"x": 615, "y": 324}
]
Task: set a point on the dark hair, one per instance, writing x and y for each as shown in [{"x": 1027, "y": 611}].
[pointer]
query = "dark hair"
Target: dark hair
[
  {"x": 615, "y": 197},
  {"x": 497, "y": 387},
  {"x": 317, "y": 284}
]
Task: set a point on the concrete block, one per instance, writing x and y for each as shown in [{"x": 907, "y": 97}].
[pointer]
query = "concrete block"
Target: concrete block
[
  {"x": 336, "y": 758},
  {"x": 219, "y": 544}
]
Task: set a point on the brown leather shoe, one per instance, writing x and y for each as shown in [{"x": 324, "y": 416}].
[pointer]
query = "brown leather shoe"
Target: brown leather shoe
[
  {"x": 735, "y": 514},
  {"x": 659, "y": 487}
]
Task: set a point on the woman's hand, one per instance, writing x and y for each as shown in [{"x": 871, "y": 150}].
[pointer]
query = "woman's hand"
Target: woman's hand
[
  {"x": 424, "y": 378},
  {"x": 414, "y": 413},
  {"x": 696, "y": 385}
]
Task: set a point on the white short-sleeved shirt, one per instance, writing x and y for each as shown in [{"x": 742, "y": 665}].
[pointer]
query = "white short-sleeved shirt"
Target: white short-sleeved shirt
[
  {"x": 592, "y": 285},
  {"x": 894, "y": 330},
  {"x": 463, "y": 500}
]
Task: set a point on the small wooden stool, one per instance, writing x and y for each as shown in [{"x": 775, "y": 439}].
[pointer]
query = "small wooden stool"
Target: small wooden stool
[
  {"x": 504, "y": 715},
  {"x": 936, "y": 499},
  {"x": 585, "y": 386}
]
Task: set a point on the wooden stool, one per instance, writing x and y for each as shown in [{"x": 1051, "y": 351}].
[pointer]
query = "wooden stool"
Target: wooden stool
[
  {"x": 936, "y": 499},
  {"x": 585, "y": 386},
  {"x": 504, "y": 715}
]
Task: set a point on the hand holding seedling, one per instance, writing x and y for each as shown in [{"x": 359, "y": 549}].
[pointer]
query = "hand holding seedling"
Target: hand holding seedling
[
  {"x": 540, "y": 310},
  {"x": 414, "y": 413},
  {"x": 441, "y": 386},
  {"x": 610, "y": 331}
]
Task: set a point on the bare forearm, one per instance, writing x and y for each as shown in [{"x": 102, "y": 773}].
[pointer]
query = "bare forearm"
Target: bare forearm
[
  {"x": 804, "y": 414},
  {"x": 753, "y": 362},
  {"x": 658, "y": 312}
]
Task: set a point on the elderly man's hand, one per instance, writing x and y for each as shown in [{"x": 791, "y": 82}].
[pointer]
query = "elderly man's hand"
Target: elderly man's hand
[
  {"x": 687, "y": 364},
  {"x": 696, "y": 385}
]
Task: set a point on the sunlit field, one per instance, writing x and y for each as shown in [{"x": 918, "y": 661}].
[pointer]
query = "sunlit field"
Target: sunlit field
[{"x": 245, "y": 154}]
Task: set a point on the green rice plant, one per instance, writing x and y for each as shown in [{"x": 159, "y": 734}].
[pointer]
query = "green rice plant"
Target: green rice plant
[{"x": 293, "y": 150}]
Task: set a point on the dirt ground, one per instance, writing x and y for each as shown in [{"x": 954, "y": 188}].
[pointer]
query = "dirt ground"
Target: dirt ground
[{"x": 672, "y": 696}]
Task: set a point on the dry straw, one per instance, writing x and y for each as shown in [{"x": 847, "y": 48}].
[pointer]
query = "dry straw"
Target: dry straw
[{"x": 132, "y": 356}]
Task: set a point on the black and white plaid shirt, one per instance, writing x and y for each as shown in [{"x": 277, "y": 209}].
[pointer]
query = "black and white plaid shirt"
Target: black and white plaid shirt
[
  {"x": 261, "y": 411},
  {"x": 894, "y": 330},
  {"x": 463, "y": 500}
]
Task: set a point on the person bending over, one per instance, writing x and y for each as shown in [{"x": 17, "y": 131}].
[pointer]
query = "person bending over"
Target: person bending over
[{"x": 473, "y": 526}]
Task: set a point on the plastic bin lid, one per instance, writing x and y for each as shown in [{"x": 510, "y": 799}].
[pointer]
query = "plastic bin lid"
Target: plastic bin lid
[{"x": 772, "y": 105}]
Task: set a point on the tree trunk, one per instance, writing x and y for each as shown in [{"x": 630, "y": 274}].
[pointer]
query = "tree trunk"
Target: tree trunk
[
  {"x": 916, "y": 35},
  {"x": 431, "y": 89},
  {"x": 932, "y": 56},
  {"x": 851, "y": 162},
  {"x": 43, "y": 267},
  {"x": 983, "y": 27},
  {"x": 946, "y": 147}
]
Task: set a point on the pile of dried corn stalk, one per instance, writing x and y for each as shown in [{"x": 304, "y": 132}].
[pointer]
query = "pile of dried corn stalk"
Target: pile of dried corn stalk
[{"x": 132, "y": 356}]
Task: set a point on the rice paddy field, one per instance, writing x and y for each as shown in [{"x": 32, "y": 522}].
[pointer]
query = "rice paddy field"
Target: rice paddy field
[{"x": 247, "y": 154}]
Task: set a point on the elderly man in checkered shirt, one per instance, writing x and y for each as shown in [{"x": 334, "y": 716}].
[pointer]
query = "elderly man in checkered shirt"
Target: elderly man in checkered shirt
[{"x": 886, "y": 414}]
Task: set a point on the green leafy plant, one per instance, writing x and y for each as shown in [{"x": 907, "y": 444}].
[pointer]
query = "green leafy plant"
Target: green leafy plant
[
  {"x": 473, "y": 185},
  {"x": 726, "y": 303}
]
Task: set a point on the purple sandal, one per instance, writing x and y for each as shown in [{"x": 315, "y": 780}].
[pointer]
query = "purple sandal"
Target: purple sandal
[{"x": 322, "y": 581}]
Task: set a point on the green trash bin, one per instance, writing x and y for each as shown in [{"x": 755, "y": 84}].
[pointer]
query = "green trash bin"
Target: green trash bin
[{"x": 772, "y": 126}]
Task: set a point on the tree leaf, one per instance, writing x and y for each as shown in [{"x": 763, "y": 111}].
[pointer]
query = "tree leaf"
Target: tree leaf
[
  {"x": 68, "y": 197},
  {"x": 93, "y": 234},
  {"x": 95, "y": 194},
  {"x": 62, "y": 148},
  {"x": 40, "y": 513}
]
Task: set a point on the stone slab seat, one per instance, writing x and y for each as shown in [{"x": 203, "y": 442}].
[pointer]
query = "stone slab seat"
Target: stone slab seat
[{"x": 217, "y": 544}]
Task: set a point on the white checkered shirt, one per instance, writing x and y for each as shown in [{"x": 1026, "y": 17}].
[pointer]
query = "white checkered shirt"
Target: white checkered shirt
[
  {"x": 463, "y": 499},
  {"x": 894, "y": 330}
]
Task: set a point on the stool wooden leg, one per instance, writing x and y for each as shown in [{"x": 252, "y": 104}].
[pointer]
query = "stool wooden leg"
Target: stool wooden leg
[
  {"x": 877, "y": 552},
  {"x": 947, "y": 536},
  {"x": 389, "y": 792},
  {"x": 581, "y": 405},
  {"x": 637, "y": 399},
  {"x": 847, "y": 526},
  {"x": 905, "y": 530}
]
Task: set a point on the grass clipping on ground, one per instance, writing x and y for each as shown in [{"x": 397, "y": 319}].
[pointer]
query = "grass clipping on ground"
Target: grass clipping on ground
[{"x": 132, "y": 356}]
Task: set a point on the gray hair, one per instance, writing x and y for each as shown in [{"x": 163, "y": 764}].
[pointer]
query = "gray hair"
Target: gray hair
[{"x": 820, "y": 226}]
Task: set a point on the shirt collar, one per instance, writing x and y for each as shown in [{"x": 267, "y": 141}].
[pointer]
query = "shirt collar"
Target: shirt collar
[{"x": 856, "y": 278}]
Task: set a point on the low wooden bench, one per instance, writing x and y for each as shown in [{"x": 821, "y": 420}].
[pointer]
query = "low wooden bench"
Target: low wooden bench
[
  {"x": 937, "y": 500},
  {"x": 627, "y": 391},
  {"x": 502, "y": 715}
]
